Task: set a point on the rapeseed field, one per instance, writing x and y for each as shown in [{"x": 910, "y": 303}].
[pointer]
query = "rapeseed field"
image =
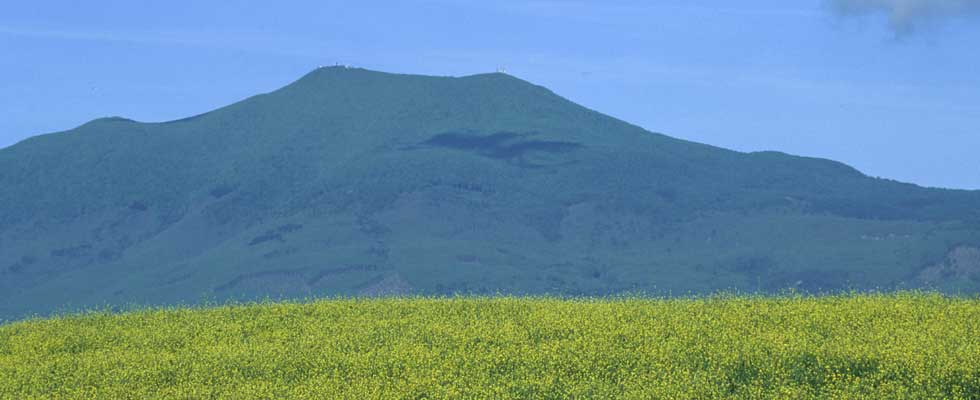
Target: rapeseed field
[{"x": 860, "y": 346}]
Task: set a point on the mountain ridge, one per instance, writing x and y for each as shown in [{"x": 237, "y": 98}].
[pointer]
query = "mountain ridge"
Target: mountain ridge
[
  {"x": 352, "y": 181},
  {"x": 319, "y": 72}
]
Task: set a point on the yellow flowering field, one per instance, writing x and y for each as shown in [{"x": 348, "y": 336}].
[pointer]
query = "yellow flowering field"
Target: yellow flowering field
[{"x": 873, "y": 346}]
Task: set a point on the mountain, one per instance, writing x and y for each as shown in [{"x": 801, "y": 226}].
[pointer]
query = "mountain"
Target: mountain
[{"x": 355, "y": 182}]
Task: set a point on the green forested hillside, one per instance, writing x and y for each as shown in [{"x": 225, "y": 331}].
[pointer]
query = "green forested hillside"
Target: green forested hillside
[{"x": 355, "y": 182}]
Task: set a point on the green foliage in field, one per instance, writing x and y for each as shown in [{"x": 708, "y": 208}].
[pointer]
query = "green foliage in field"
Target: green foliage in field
[{"x": 901, "y": 346}]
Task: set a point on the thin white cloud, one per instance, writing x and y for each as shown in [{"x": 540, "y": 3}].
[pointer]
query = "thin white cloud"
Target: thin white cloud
[
  {"x": 239, "y": 41},
  {"x": 97, "y": 36},
  {"x": 905, "y": 16},
  {"x": 606, "y": 11}
]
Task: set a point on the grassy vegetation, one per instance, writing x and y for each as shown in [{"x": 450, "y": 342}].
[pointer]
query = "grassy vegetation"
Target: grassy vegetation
[{"x": 902, "y": 346}]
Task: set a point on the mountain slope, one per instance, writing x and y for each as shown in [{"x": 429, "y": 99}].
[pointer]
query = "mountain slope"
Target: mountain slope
[{"x": 351, "y": 181}]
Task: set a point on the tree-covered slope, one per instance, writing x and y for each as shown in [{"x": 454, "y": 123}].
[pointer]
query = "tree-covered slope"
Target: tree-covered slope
[{"x": 351, "y": 181}]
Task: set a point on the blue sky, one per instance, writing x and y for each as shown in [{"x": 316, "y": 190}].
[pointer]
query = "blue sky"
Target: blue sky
[{"x": 888, "y": 86}]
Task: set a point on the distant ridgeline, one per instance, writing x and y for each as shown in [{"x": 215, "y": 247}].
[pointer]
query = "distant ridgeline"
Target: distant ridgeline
[{"x": 352, "y": 182}]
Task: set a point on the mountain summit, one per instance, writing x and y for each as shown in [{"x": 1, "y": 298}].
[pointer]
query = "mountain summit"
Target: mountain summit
[{"x": 355, "y": 182}]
